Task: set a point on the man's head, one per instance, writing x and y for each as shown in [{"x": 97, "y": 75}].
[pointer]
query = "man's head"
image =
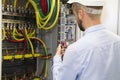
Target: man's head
[{"x": 87, "y": 12}]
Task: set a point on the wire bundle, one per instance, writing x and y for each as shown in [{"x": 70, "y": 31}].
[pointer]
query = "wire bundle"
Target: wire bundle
[
  {"x": 26, "y": 35},
  {"x": 46, "y": 15}
]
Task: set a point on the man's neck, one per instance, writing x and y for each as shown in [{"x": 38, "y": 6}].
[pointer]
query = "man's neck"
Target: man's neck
[{"x": 90, "y": 23}]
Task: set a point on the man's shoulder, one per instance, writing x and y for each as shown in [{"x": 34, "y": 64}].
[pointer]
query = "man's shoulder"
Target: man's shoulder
[{"x": 80, "y": 45}]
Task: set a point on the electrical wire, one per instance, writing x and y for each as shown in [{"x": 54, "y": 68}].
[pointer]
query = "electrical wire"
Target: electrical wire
[
  {"x": 48, "y": 6},
  {"x": 27, "y": 4},
  {"x": 9, "y": 38},
  {"x": 3, "y": 33},
  {"x": 43, "y": 17},
  {"x": 15, "y": 78},
  {"x": 41, "y": 20},
  {"x": 19, "y": 3},
  {"x": 46, "y": 53},
  {"x": 32, "y": 33},
  {"x": 11, "y": 2},
  {"x": 22, "y": 3},
  {"x": 29, "y": 38},
  {"x": 31, "y": 45},
  {"x": 5, "y": 77},
  {"x": 25, "y": 40},
  {"x": 3, "y": 1},
  {"x": 57, "y": 15},
  {"x": 15, "y": 33},
  {"x": 43, "y": 4},
  {"x": 15, "y": 2},
  {"x": 49, "y": 15}
]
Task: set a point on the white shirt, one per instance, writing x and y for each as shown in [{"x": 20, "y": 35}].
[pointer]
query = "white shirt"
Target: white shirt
[{"x": 96, "y": 56}]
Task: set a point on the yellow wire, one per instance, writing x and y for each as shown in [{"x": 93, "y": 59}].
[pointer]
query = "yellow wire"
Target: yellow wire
[
  {"x": 46, "y": 68},
  {"x": 15, "y": 1},
  {"x": 27, "y": 37},
  {"x": 44, "y": 22},
  {"x": 15, "y": 33},
  {"x": 50, "y": 15},
  {"x": 46, "y": 73},
  {"x": 57, "y": 15},
  {"x": 31, "y": 33},
  {"x": 14, "y": 30},
  {"x": 3, "y": 35},
  {"x": 26, "y": 6},
  {"x": 5, "y": 77},
  {"x": 15, "y": 77},
  {"x": 3, "y": 1},
  {"x": 31, "y": 45},
  {"x": 6, "y": 50},
  {"x": 42, "y": 44},
  {"x": 36, "y": 9},
  {"x": 24, "y": 75}
]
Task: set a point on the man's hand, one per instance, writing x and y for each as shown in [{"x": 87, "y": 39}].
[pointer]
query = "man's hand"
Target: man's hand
[{"x": 60, "y": 50}]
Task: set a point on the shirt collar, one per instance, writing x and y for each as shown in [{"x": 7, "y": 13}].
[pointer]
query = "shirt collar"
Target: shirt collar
[{"x": 94, "y": 28}]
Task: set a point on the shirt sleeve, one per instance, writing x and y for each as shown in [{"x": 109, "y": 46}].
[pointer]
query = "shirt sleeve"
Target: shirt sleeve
[
  {"x": 66, "y": 69},
  {"x": 57, "y": 63}
]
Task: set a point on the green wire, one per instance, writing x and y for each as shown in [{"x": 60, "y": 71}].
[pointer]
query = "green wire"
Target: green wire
[
  {"x": 39, "y": 8},
  {"x": 22, "y": 3},
  {"x": 54, "y": 11},
  {"x": 48, "y": 6},
  {"x": 44, "y": 62},
  {"x": 11, "y": 2},
  {"x": 27, "y": 42},
  {"x": 11, "y": 35},
  {"x": 44, "y": 67},
  {"x": 53, "y": 15},
  {"x": 50, "y": 3}
]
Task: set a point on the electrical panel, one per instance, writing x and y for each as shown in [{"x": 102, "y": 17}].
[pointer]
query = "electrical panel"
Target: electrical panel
[{"x": 25, "y": 24}]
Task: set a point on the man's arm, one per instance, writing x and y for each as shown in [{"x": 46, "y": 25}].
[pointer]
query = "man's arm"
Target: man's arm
[
  {"x": 66, "y": 69},
  {"x": 57, "y": 63}
]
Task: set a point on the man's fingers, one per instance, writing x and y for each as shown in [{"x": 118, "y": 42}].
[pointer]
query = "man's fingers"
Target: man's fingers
[
  {"x": 63, "y": 49},
  {"x": 60, "y": 49}
]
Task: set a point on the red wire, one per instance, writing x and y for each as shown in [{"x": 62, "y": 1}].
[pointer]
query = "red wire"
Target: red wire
[
  {"x": 24, "y": 41},
  {"x": 8, "y": 36},
  {"x": 10, "y": 39},
  {"x": 43, "y": 4},
  {"x": 18, "y": 3}
]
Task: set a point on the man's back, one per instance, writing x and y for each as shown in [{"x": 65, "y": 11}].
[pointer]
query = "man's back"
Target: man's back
[
  {"x": 96, "y": 56},
  {"x": 100, "y": 51}
]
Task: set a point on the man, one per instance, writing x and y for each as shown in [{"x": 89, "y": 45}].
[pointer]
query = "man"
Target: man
[{"x": 96, "y": 56}]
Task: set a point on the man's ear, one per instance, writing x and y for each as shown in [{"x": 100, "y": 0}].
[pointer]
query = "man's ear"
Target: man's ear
[{"x": 81, "y": 14}]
